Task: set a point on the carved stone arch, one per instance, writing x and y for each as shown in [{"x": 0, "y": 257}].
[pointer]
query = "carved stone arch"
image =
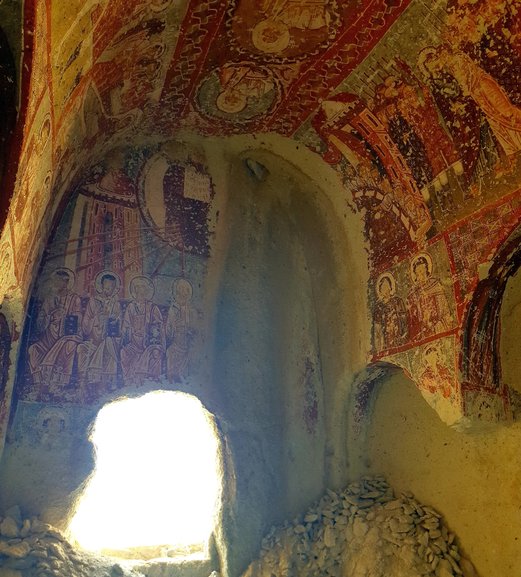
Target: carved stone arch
[
  {"x": 485, "y": 396},
  {"x": 360, "y": 401}
]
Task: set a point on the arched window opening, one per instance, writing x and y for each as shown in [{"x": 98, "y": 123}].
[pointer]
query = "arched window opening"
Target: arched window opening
[{"x": 157, "y": 482}]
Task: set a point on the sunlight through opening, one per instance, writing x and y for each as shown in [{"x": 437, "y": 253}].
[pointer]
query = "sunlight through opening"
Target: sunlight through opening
[{"x": 156, "y": 483}]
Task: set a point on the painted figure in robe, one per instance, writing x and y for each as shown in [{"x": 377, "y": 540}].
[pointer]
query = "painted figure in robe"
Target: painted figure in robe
[
  {"x": 52, "y": 356},
  {"x": 390, "y": 328},
  {"x": 429, "y": 311},
  {"x": 503, "y": 117},
  {"x": 143, "y": 335},
  {"x": 180, "y": 331},
  {"x": 273, "y": 35},
  {"x": 98, "y": 355},
  {"x": 436, "y": 377},
  {"x": 240, "y": 84}
]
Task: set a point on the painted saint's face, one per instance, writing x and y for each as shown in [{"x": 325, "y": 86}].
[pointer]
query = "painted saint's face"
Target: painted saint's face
[
  {"x": 140, "y": 291},
  {"x": 61, "y": 283},
  {"x": 385, "y": 290},
  {"x": 422, "y": 274},
  {"x": 54, "y": 425},
  {"x": 432, "y": 358},
  {"x": 183, "y": 292},
  {"x": 231, "y": 101},
  {"x": 108, "y": 287}
]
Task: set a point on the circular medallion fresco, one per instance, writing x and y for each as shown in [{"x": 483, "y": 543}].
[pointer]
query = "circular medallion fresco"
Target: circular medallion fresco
[
  {"x": 275, "y": 30},
  {"x": 238, "y": 92}
]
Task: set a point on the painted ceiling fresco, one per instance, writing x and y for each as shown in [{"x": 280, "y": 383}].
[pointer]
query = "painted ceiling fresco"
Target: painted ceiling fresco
[{"x": 417, "y": 105}]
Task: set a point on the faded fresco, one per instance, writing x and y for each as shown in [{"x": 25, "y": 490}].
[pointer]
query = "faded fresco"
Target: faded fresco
[
  {"x": 433, "y": 367},
  {"x": 414, "y": 301},
  {"x": 284, "y": 29},
  {"x": 118, "y": 299},
  {"x": 427, "y": 128},
  {"x": 416, "y": 105},
  {"x": 6, "y": 341}
]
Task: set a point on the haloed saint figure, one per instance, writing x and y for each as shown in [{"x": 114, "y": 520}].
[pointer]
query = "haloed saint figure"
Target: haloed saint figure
[
  {"x": 98, "y": 354},
  {"x": 180, "y": 330},
  {"x": 58, "y": 324},
  {"x": 427, "y": 302},
  {"x": 143, "y": 336},
  {"x": 390, "y": 315}
]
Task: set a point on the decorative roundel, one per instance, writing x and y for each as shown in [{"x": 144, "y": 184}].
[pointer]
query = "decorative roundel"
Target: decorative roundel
[
  {"x": 282, "y": 32},
  {"x": 238, "y": 92}
]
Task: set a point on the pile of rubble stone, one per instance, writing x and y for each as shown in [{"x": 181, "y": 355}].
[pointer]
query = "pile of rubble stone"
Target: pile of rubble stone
[
  {"x": 31, "y": 548},
  {"x": 363, "y": 531}
]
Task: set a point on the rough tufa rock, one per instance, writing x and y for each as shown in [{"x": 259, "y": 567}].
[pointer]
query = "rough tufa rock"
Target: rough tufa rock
[{"x": 9, "y": 528}]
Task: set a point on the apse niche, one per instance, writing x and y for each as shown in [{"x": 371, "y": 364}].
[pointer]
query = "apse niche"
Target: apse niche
[
  {"x": 511, "y": 333},
  {"x": 132, "y": 298},
  {"x": 116, "y": 311}
]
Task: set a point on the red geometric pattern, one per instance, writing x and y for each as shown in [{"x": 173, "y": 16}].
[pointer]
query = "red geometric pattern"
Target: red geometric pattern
[
  {"x": 321, "y": 76},
  {"x": 475, "y": 241},
  {"x": 204, "y": 27},
  {"x": 200, "y": 27}
]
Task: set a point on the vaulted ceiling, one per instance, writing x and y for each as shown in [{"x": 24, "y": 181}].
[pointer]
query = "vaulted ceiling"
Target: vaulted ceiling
[{"x": 416, "y": 105}]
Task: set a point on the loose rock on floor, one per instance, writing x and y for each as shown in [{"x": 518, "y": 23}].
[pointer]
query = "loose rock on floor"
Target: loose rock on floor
[
  {"x": 30, "y": 548},
  {"x": 363, "y": 531}
]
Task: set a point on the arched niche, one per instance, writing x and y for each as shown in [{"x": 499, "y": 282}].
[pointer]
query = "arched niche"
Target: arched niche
[
  {"x": 108, "y": 281},
  {"x": 279, "y": 305},
  {"x": 469, "y": 478},
  {"x": 486, "y": 396},
  {"x": 510, "y": 333},
  {"x": 287, "y": 321}
]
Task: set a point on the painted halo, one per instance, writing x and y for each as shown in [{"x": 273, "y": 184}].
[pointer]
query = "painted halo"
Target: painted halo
[
  {"x": 44, "y": 132},
  {"x": 159, "y": 49},
  {"x": 392, "y": 282},
  {"x": 422, "y": 256},
  {"x": 99, "y": 278},
  {"x": 270, "y": 36},
  {"x": 425, "y": 55},
  {"x": 47, "y": 181},
  {"x": 181, "y": 281},
  {"x": 70, "y": 273},
  {"x": 145, "y": 280}
]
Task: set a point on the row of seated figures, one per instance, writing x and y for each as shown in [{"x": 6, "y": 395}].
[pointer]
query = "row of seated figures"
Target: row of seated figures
[{"x": 83, "y": 347}]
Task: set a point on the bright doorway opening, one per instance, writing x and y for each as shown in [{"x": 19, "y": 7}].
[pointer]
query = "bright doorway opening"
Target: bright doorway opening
[{"x": 156, "y": 487}]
